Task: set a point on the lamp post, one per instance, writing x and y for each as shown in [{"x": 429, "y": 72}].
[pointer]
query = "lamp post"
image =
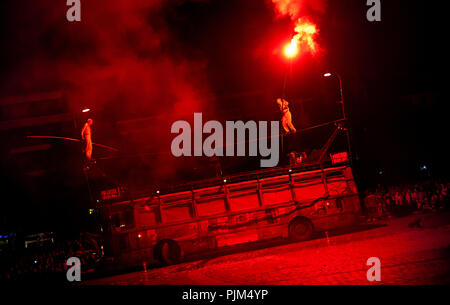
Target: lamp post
[
  {"x": 344, "y": 116},
  {"x": 328, "y": 74}
]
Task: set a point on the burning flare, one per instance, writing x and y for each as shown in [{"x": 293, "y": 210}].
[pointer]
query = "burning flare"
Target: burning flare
[
  {"x": 291, "y": 49},
  {"x": 303, "y": 40},
  {"x": 306, "y": 31}
]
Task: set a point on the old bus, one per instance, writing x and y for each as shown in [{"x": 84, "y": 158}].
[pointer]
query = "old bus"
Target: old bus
[{"x": 279, "y": 203}]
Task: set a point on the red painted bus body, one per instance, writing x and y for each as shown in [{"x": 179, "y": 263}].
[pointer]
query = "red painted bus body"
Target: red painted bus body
[{"x": 293, "y": 203}]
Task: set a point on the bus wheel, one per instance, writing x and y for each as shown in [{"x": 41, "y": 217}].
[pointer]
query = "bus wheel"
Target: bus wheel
[
  {"x": 167, "y": 252},
  {"x": 300, "y": 228}
]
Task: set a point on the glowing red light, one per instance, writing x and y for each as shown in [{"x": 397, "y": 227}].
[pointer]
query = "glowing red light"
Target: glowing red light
[
  {"x": 290, "y": 50},
  {"x": 327, "y": 74},
  {"x": 139, "y": 235},
  {"x": 303, "y": 40},
  {"x": 86, "y": 110}
]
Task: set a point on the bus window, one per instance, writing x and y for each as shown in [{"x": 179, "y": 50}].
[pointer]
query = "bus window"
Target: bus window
[
  {"x": 211, "y": 207},
  {"x": 243, "y": 197},
  {"x": 305, "y": 191},
  {"x": 276, "y": 191},
  {"x": 176, "y": 213},
  {"x": 147, "y": 216},
  {"x": 240, "y": 203}
]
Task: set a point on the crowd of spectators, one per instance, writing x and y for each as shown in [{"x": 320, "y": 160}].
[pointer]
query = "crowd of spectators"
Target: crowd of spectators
[
  {"x": 47, "y": 262},
  {"x": 402, "y": 200}
]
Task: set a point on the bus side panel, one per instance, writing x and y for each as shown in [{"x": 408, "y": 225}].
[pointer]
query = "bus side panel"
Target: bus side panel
[
  {"x": 309, "y": 192},
  {"x": 184, "y": 234},
  {"x": 146, "y": 216},
  {"x": 176, "y": 213},
  {"x": 244, "y": 202},
  {"x": 211, "y": 207},
  {"x": 126, "y": 251},
  {"x": 336, "y": 213},
  {"x": 179, "y": 232},
  {"x": 239, "y": 228},
  {"x": 273, "y": 197},
  {"x": 337, "y": 187},
  {"x": 353, "y": 204},
  {"x": 276, "y": 191}
]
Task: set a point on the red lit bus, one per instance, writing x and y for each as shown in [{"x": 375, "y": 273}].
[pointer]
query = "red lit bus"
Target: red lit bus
[{"x": 278, "y": 203}]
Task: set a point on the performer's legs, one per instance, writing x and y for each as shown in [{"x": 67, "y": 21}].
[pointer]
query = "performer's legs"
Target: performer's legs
[
  {"x": 88, "y": 148},
  {"x": 289, "y": 122},
  {"x": 284, "y": 123},
  {"x": 287, "y": 118}
]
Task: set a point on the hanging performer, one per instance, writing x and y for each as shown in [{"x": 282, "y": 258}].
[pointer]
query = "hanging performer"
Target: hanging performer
[
  {"x": 286, "y": 120},
  {"x": 86, "y": 136}
]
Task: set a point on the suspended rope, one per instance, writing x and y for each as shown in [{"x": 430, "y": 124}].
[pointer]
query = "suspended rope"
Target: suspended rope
[{"x": 70, "y": 139}]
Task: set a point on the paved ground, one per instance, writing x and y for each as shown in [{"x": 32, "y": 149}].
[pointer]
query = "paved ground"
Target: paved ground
[{"x": 408, "y": 256}]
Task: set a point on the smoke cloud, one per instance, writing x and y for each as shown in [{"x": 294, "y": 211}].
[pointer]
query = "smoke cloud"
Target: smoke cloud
[
  {"x": 122, "y": 61},
  {"x": 300, "y": 8},
  {"x": 121, "y": 50}
]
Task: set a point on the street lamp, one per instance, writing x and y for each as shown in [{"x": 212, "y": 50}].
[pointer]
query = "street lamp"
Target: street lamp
[{"x": 328, "y": 74}]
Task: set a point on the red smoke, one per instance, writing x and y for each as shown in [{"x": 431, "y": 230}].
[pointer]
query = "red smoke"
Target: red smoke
[
  {"x": 300, "y": 8},
  {"x": 120, "y": 51},
  {"x": 302, "y": 13},
  {"x": 121, "y": 61}
]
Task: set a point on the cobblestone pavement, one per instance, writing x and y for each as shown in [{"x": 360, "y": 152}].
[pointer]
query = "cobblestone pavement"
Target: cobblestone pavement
[{"x": 407, "y": 255}]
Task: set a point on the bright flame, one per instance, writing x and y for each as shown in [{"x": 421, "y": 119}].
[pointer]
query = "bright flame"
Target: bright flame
[
  {"x": 304, "y": 39},
  {"x": 301, "y": 12},
  {"x": 291, "y": 49}
]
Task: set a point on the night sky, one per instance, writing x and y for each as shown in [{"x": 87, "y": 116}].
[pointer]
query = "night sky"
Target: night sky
[{"x": 163, "y": 60}]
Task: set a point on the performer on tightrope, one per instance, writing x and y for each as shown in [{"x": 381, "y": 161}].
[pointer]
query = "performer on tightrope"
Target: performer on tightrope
[
  {"x": 86, "y": 136},
  {"x": 286, "y": 120}
]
